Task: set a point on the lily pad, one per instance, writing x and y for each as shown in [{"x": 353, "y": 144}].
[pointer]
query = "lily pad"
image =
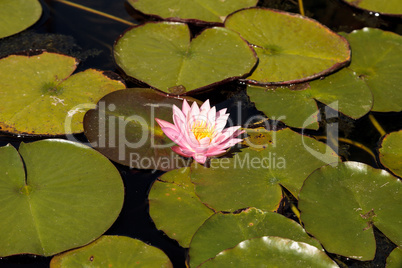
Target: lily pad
[
  {"x": 69, "y": 196},
  {"x": 39, "y": 97},
  {"x": 223, "y": 231},
  {"x": 162, "y": 56},
  {"x": 123, "y": 128},
  {"x": 17, "y": 15},
  {"x": 113, "y": 251},
  {"x": 175, "y": 208},
  {"x": 271, "y": 251},
  {"x": 377, "y": 60},
  {"x": 391, "y": 152},
  {"x": 389, "y": 7},
  {"x": 358, "y": 196},
  {"x": 206, "y": 11},
  {"x": 296, "y": 106},
  {"x": 291, "y": 48},
  {"x": 394, "y": 259},
  {"x": 252, "y": 177}
]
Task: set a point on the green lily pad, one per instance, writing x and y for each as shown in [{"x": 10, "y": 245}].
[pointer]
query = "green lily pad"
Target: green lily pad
[
  {"x": 357, "y": 196},
  {"x": 69, "y": 196},
  {"x": 17, "y": 15},
  {"x": 291, "y": 48},
  {"x": 162, "y": 56},
  {"x": 271, "y": 251},
  {"x": 39, "y": 97},
  {"x": 391, "y": 152},
  {"x": 113, "y": 251},
  {"x": 377, "y": 60},
  {"x": 175, "y": 208},
  {"x": 389, "y": 7},
  {"x": 223, "y": 231},
  {"x": 296, "y": 106},
  {"x": 123, "y": 128},
  {"x": 252, "y": 177},
  {"x": 206, "y": 11},
  {"x": 394, "y": 259}
]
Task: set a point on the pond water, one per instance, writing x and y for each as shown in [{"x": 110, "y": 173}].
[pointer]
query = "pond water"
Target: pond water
[{"x": 90, "y": 37}]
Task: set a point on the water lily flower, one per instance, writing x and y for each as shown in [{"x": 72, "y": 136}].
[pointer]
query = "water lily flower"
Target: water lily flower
[{"x": 199, "y": 131}]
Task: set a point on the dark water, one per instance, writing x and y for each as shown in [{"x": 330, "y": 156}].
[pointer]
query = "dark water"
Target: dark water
[{"x": 90, "y": 37}]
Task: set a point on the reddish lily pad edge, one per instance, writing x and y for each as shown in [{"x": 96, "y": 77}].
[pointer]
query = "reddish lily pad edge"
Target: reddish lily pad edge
[
  {"x": 321, "y": 74},
  {"x": 202, "y": 89},
  {"x": 34, "y": 52},
  {"x": 195, "y": 22},
  {"x": 371, "y": 12}
]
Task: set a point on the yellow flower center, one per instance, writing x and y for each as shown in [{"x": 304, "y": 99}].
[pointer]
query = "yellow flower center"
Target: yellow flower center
[{"x": 202, "y": 130}]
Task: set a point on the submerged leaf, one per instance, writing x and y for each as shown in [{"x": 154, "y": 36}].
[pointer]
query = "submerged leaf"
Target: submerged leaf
[{"x": 123, "y": 127}]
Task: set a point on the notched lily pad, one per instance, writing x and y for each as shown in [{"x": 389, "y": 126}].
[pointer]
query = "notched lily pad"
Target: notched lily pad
[
  {"x": 252, "y": 178},
  {"x": 394, "y": 259},
  {"x": 39, "y": 96},
  {"x": 69, "y": 196},
  {"x": 223, "y": 231},
  {"x": 113, "y": 251},
  {"x": 291, "y": 48},
  {"x": 389, "y": 7},
  {"x": 200, "y": 12},
  {"x": 295, "y": 105},
  {"x": 175, "y": 208},
  {"x": 295, "y": 108},
  {"x": 17, "y": 15},
  {"x": 163, "y": 56},
  {"x": 359, "y": 197},
  {"x": 391, "y": 152},
  {"x": 123, "y": 127},
  {"x": 377, "y": 61},
  {"x": 270, "y": 251}
]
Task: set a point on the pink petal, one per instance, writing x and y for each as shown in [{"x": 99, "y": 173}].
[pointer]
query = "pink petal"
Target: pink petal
[
  {"x": 185, "y": 108},
  {"x": 205, "y": 141},
  {"x": 173, "y": 134},
  {"x": 220, "y": 123},
  {"x": 215, "y": 152},
  {"x": 229, "y": 143},
  {"x": 221, "y": 112},
  {"x": 186, "y": 151},
  {"x": 194, "y": 112},
  {"x": 205, "y": 106},
  {"x": 178, "y": 118},
  {"x": 211, "y": 115},
  {"x": 164, "y": 124},
  {"x": 200, "y": 158},
  {"x": 225, "y": 134},
  {"x": 179, "y": 151}
]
